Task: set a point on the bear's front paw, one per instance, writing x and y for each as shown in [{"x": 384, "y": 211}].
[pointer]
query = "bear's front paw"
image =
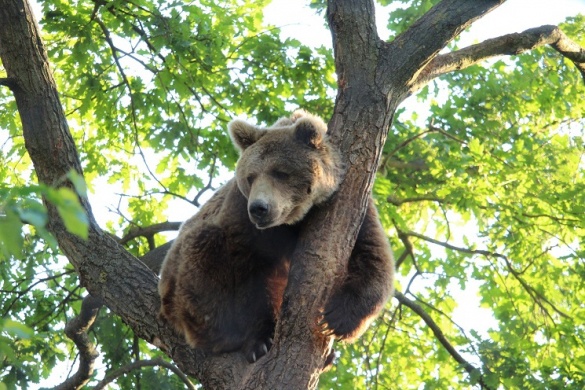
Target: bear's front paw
[
  {"x": 255, "y": 349},
  {"x": 343, "y": 317}
]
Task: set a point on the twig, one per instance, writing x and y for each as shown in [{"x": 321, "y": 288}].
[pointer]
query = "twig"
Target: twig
[
  {"x": 471, "y": 369},
  {"x": 115, "y": 50},
  {"x": 21, "y": 293},
  {"x": 144, "y": 363},
  {"x": 423, "y": 198},
  {"x": 534, "y": 294},
  {"x": 208, "y": 186}
]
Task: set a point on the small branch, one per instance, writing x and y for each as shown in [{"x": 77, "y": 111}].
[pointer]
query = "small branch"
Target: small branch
[
  {"x": 114, "y": 50},
  {"x": 61, "y": 307},
  {"x": 21, "y": 293},
  {"x": 510, "y": 44},
  {"x": 471, "y": 369},
  {"x": 423, "y": 198},
  {"x": 448, "y": 318},
  {"x": 76, "y": 330},
  {"x": 536, "y": 296},
  {"x": 149, "y": 231},
  {"x": 408, "y": 250},
  {"x": 408, "y": 141},
  {"x": 144, "y": 363},
  {"x": 208, "y": 186},
  {"x": 9, "y": 82}
]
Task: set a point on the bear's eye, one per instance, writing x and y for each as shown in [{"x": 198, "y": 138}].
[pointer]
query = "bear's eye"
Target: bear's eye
[
  {"x": 250, "y": 179},
  {"x": 280, "y": 175}
]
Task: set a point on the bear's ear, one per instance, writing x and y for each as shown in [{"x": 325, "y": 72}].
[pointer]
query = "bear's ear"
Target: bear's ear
[
  {"x": 244, "y": 134},
  {"x": 306, "y": 131}
]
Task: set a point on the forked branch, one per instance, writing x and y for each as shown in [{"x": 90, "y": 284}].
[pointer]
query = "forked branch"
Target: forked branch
[
  {"x": 510, "y": 44},
  {"x": 76, "y": 330},
  {"x": 536, "y": 296},
  {"x": 412, "y": 50}
]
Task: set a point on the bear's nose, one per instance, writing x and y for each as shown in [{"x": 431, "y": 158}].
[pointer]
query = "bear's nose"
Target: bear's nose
[{"x": 259, "y": 209}]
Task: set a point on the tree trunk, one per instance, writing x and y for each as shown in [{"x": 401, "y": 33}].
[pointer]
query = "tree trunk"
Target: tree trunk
[{"x": 373, "y": 78}]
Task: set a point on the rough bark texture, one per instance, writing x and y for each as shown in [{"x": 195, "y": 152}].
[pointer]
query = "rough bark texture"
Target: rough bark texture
[
  {"x": 510, "y": 44},
  {"x": 373, "y": 77}
]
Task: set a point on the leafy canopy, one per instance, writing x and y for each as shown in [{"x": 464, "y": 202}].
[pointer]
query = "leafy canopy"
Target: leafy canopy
[{"x": 481, "y": 188}]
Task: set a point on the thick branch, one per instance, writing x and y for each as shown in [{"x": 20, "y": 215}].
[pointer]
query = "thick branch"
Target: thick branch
[
  {"x": 511, "y": 44},
  {"x": 417, "y": 46},
  {"x": 154, "y": 258},
  {"x": 106, "y": 269},
  {"x": 359, "y": 127},
  {"x": 440, "y": 336},
  {"x": 76, "y": 330},
  {"x": 355, "y": 42}
]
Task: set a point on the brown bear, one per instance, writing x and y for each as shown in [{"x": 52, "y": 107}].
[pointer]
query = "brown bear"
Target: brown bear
[{"x": 223, "y": 279}]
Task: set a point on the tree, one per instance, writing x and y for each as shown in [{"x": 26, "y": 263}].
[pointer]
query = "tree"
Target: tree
[{"x": 149, "y": 85}]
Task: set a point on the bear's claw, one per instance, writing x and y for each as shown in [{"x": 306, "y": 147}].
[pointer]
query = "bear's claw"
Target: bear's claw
[
  {"x": 324, "y": 328},
  {"x": 256, "y": 350}
]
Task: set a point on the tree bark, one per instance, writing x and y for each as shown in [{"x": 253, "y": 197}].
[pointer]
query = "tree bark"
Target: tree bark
[
  {"x": 510, "y": 44},
  {"x": 374, "y": 77},
  {"x": 105, "y": 268}
]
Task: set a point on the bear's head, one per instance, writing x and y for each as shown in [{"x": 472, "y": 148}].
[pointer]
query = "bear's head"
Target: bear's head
[{"x": 285, "y": 169}]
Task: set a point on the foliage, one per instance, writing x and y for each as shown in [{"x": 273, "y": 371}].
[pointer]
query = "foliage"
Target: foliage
[
  {"x": 489, "y": 193},
  {"x": 20, "y": 205},
  {"x": 480, "y": 187}
]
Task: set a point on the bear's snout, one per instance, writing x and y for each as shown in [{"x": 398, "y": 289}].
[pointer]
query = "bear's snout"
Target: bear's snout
[{"x": 258, "y": 211}]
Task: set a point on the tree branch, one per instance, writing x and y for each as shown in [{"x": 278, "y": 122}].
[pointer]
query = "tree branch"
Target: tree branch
[
  {"x": 106, "y": 269},
  {"x": 148, "y": 231},
  {"x": 154, "y": 258},
  {"x": 421, "y": 42},
  {"x": 536, "y": 296},
  {"x": 510, "y": 44},
  {"x": 440, "y": 336},
  {"x": 423, "y": 198},
  {"x": 8, "y": 82},
  {"x": 76, "y": 330},
  {"x": 143, "y": 363}
]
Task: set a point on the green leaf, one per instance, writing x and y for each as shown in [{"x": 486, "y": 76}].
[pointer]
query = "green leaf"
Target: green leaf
[
  {"x": 34, "y": 213},
  {"x": 70, "y": 210},
  {"x": 78, "y": 182},
  {"x": 475, "y": 147},
  {"x": 17, "y": 329},
  {"x": 11, "y": 241}
]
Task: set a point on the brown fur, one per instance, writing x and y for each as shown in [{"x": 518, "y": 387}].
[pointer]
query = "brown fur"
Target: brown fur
[{"x": 223, "y": 279}]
